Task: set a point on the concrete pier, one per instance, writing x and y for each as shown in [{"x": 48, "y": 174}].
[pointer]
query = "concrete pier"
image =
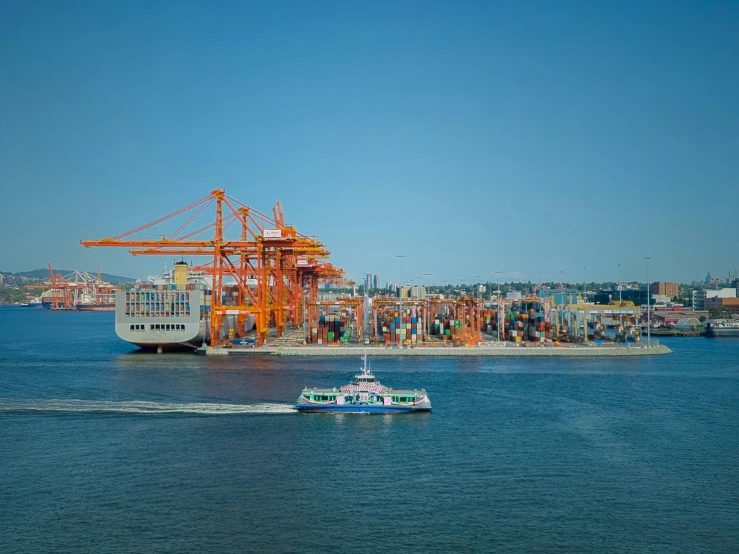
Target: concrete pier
[{"x": 493, "y": 351}]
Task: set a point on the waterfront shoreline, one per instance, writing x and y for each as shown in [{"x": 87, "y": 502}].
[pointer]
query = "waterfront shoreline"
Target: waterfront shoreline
[{"x": 508, "y": 351}]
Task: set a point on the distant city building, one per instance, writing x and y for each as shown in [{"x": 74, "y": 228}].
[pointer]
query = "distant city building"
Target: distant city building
[
  {"x": 637, "y": 296},
  {"x": 708, "y": 278},
  {"x": 367, "y": 283},
  {"x": 731, "y": 304},
  {"x": 375, "y": 281},
  {"x": 402, "y": 292},
  {"x": 701, "y": 296},
  {"x": 698, "y": 300},
  {"x": 559, "y": 296},
  {"x": 663, "y": 299},
  {"x": 666, "y": 289},
  {"x": 418, "y": 291}
]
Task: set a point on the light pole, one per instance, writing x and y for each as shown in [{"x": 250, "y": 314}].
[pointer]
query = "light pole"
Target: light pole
[
  {"x": 561, "y": 283},
  {"x": 584, "y": 286},
  {"x": 428, "y": 305},
  {"x": 497, "y": 319},
  {"x": 400, "y": 291},
  {"x": 620, "y": 300},
  {"x": 418, "y": 287},
  {"x": 649, "y": 319}
]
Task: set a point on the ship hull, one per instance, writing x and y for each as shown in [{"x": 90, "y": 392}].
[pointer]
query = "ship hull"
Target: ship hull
[
  {"x": 358, "y": 408},
  {"x": 167, "y": 346},
  {"x": 191, "y": 337},
  {"x": 165, "y": 320},
  {"x": 95, "y": 307},
  {"x": 722, "y": 333}
]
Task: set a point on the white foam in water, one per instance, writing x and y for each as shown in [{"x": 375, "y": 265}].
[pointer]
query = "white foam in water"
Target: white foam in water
[{"x": 137, "y": 407}]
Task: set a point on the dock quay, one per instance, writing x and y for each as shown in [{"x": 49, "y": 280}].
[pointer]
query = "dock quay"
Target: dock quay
[{"x": 493, "y": 351}]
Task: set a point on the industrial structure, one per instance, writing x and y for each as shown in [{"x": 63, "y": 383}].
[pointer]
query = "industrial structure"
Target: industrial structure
[
  {"x": 77, "y": 290},
  {"x": 269, "y": 272},
  {"x": 264, "y": 279}
]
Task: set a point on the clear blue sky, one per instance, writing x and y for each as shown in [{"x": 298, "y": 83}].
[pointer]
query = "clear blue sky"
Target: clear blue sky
[{"x": 472, "y": 137}]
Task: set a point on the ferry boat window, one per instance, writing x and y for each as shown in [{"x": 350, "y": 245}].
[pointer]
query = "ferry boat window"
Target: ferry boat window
[{"x": 131, "y": 327}]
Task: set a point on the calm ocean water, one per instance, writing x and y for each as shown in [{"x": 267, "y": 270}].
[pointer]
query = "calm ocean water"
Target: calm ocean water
[{"x": 103, "y": 449}]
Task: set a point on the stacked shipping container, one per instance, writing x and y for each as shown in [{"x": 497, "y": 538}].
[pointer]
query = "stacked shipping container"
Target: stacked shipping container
[
  {"x": 397, "y": 328},
  {"x": 527, "y": 327},
  {"x": 331, "y": 329}
]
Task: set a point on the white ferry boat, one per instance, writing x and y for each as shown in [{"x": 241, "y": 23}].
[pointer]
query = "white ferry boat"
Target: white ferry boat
[{"x": 363, "y": 394}]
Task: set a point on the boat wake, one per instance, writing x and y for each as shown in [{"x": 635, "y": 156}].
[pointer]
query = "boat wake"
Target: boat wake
[{"x": 10, "y": 406}]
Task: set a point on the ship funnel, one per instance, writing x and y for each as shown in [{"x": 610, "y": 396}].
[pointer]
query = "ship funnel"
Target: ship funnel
[{"x": 180, "y": 273}]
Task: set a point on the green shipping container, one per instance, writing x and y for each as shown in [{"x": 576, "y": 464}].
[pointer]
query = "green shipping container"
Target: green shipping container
[{"x": 330, "y": 335}]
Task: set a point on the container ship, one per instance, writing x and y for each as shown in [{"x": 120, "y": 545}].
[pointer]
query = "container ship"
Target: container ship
[
  {"x": 95, "y": 306},
  {"x": 32, "y": 303},
  {"x": 169, "y": 312},
  {"x": 47, "y": 298},
  {"x": 97, "y": 302}
]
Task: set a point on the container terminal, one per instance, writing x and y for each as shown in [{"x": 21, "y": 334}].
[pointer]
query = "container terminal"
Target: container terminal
[
  {"x": 258, "y": 292},
  {"x": 78, "y": 290}
]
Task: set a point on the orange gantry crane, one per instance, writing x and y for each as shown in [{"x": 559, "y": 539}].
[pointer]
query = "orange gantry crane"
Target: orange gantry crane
[{"x": 275, "y": 269}]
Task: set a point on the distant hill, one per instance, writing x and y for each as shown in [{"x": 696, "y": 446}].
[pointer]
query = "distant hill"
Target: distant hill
[{"x": 44, "y": 274}]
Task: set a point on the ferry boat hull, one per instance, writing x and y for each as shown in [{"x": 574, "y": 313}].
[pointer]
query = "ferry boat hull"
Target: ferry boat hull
[{"x": 353, "y": 408}]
